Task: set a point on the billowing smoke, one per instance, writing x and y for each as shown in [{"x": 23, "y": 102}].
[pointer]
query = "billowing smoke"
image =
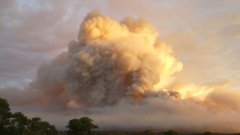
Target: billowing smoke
[
  {"x": 109, "y": 61},
  {"x": 120, "y": 72}
]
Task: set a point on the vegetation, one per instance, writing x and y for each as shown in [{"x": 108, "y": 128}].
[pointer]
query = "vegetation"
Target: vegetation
[
  {"x": 208, "y": 133},
  {"x": 147, "y": 132},
  {"x": 18, "y": 124},
  {"x": 170, "y": 132},
  {"x": 82, "y": 126}
]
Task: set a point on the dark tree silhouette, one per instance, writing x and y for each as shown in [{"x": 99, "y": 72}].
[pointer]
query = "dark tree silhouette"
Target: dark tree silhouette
[
  {"x": 18, "y": 124},
  {"x": 5, "y": 114},
  {"x": 208, "y": 133},
  {"x": 147, "y": 132},
  {"x": 170, "y": 132},
  {"x": 82, "y": 126}
]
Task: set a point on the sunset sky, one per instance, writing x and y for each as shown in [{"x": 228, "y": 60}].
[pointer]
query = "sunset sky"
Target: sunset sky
[{"x": 204, "y": 36}]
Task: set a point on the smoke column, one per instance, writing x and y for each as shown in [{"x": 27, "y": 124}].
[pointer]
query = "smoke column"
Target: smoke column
[
  {"x": 109, "y": 61},
  {"x": 113, "y": 69}
]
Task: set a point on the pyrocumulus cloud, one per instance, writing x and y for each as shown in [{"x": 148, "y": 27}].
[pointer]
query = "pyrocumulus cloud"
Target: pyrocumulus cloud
[{"x": 122, "y": 75}]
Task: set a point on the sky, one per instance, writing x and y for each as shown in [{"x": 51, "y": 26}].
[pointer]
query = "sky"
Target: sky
[{"x": 204, "y": 36}]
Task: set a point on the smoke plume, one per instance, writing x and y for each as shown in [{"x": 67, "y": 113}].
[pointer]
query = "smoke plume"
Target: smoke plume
[
  {"x": 121, "y": 71},
  {"x": 110, "y": 61}
]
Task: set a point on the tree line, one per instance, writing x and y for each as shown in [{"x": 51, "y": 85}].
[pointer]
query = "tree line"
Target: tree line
[{"x": 16, "y": 123}]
